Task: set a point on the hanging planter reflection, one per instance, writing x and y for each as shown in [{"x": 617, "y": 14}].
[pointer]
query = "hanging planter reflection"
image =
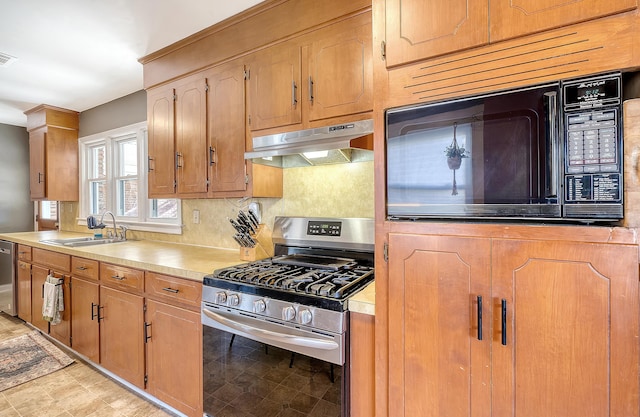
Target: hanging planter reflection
[{"x": 454, "y": 154}]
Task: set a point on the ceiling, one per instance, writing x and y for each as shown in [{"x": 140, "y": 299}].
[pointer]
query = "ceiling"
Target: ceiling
[{"x": 78, "y": 54}]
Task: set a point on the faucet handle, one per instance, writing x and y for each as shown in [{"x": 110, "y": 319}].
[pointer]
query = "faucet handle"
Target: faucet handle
[{"x": 123, "y": 232}]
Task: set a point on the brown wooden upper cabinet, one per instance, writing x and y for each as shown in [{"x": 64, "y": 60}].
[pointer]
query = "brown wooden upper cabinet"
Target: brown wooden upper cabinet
[
  {"x": 177, "y": 118},
  {"x": 160, "y": 125},
  {"x": 53, "y": 153},
  {"x": 197, "y": 139},
  {"x": 191, "y": 136},
  {"x": 323, "y": 75},
  {"x": 510, "y": 19},
  {"x": 226, "y": 140},
  {"x": 420, "y": 29}
]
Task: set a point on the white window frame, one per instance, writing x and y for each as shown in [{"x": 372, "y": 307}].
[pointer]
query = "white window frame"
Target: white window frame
[{"x": 143, "y": 222}]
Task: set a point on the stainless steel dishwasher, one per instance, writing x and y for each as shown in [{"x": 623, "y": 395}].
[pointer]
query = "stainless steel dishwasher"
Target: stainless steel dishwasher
[{"x": 8, "y": 293}]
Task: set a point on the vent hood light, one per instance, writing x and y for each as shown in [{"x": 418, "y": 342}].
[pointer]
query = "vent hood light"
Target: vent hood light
[
  {"x": 350, "y": 142},
  {"x": 316, "y": 154}
]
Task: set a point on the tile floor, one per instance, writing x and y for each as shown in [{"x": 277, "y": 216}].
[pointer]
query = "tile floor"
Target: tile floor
[{"x": 75, "y": 391}]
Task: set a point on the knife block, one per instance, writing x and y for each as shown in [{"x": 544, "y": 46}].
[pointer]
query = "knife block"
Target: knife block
[{"x": 263, "y": 248}]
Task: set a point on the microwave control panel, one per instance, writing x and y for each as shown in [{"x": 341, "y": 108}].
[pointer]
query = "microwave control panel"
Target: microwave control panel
[{"x": 593, "y": 141}]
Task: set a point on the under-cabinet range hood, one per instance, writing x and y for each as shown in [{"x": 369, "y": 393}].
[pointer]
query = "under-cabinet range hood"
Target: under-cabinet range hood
[{"x": 348, "y": 142}]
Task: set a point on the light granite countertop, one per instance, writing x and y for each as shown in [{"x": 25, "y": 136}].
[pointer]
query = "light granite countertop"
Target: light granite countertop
[
  {"x": 181, "y": 260},
  {"x": 364, "y": 301}
]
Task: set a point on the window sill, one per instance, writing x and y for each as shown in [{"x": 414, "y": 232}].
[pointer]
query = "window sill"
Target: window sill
[{"x": 171, "y": 229}]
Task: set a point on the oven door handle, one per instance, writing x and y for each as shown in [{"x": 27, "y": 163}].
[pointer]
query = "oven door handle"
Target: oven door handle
[{"x": 268, "y": 334}]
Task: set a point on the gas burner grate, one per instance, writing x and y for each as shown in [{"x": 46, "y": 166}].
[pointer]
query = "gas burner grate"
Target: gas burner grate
[{"x": 336, "y": 284}]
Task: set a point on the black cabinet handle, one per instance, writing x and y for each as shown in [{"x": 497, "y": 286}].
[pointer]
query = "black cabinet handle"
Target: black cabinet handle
[
  {"x": 97, "y": 314},
  {"x": 479, "y": 317},
  {"x": 294, "y": 95},
  {"x": 146, "y": 332},
  {"x": 504, "y": 322},
  {"x": 171, "y": 290},
  {"x": 212, "y": 152}
]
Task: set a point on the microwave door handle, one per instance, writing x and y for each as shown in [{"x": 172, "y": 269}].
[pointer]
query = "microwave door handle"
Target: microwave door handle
[
  {"x": 552, "y": 146},
  {"x": 301, "y": 341}
]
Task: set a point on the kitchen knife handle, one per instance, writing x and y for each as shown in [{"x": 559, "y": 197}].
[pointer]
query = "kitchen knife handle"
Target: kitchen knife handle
[
  {"x": 479, "y": 317},
  {"x": 504, "y": 322}
]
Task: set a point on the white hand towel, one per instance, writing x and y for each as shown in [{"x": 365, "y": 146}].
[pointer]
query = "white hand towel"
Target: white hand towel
[{"x": 53, "y": 302}]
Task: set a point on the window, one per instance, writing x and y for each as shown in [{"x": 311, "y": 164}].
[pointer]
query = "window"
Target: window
[{"x": 114, "y": 178}]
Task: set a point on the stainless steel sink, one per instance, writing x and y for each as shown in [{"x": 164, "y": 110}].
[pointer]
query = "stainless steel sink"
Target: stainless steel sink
[{"x": 75, "y": 242}]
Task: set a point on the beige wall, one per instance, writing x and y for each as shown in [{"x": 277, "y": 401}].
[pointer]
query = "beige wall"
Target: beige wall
[{"x": 343, "y": 190}]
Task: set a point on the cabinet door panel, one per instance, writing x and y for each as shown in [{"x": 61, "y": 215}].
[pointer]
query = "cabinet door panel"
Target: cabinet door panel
[
  {"x": 84, "y": 318},
  {"x": 437, "y": 364},
  {"x": 62, "y": 330},
  {"x": 340, "y": 71},
  {"x": 161, "y": 159},
  {"x": 38, "y": 278},
  {"x": 419, "y": 29},
  {"x": 121, "y": 334},
  {"x": 174, "y": 351},
  {"x": 511, "y": 18},
  {"x": 572, "y": 329},
  {"x": 274, "y": 87},
  {"x": 191, "y": 136},
  {"x": 227, "y": 128},
  {"x": 37, "y": 168},
  {"x": 24, "y": 291}
]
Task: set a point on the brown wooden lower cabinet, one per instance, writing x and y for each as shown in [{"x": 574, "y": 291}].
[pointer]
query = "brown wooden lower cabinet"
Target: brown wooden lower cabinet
[
  {"x": 38, "y": 278},
  {"x": 85, "y": 308},
  {"x": 24, "y": 291},
  {"x": 174, "y": 356},
  {"x": 558, "y": 332},
  {"x": 362, "y": 365},
  {"x": 62, "y": 330},
  {"x": 121, "y": 334}
]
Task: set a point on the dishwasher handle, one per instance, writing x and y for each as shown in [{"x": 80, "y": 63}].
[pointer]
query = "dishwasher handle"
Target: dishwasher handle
[{"x": 5, "y": 251}]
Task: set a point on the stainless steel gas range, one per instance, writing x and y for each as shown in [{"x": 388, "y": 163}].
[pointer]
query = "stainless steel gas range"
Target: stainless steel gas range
[{"x": 275, "y": 331}]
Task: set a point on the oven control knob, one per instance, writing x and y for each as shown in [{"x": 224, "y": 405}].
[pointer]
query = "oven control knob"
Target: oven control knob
[
  {"x": 221, "y": 297},
  {"x": 234, "y": 300},
  {"x": 305, "y": 316},
  {"x": 288, "y": 313},
  {"x": 259, "y": 306}
]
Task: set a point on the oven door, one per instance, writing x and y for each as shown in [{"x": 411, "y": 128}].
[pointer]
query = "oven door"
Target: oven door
[{"x": 252, "y": 368}]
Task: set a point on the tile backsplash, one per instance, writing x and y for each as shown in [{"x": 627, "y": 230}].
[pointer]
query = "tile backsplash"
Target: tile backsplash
[{"x": 343, "y": 190}]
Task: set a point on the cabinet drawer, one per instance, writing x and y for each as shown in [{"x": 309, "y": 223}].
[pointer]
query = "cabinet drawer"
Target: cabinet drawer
[
  {"x": 85, "y": 268},
  {"x": 24, "y": 253},
  {"x": 52, "y": 260},
  {"x": 173, "y": 288},
  {"x": 122, "y": 276}
]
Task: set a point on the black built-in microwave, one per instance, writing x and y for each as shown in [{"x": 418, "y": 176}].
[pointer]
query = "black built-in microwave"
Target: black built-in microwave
[{"x": 547, "y": 152}]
